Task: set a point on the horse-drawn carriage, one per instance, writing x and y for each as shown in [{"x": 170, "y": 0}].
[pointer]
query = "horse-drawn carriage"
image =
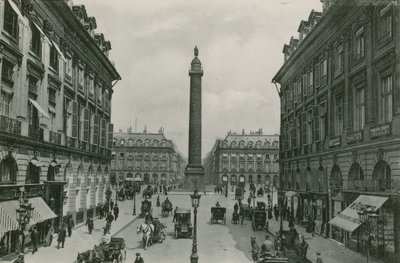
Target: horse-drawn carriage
[
  {"x": 218, "y": 213},
  {"x": 259, "y": 219},
  {"x": 146, "y": 208},
  {"x": 261, "y": 256},
  {"x": 121, "y": 195},
  {"x": 166, "y": 208},
  {"x": 112, "y": 252},
  {"x": 183, "y": 225},
  {"x": 235, "y": 218},
  {"x": 153, "y": 232},
  {"x": 239, "y": 192},
  {"x": 247, "y": 211},
  {"x": 148, "y": 192}
]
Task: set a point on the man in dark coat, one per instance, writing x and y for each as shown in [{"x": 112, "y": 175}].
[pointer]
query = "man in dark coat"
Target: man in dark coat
[
  {"x": 70, "y": 225},
  {"x": 34, "y": 239},
  {"x": 111, "y": 204},
  {"x": 110, "y": 217},
  {"x": 116, "y": 212},
  {"x": 90, "y": 225},
  {"x": 62, "y": 233},
  {"x": 138, "y": 258}
]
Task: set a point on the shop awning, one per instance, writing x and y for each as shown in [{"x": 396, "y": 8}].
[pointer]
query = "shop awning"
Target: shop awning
[
  {"x": 8, "y": 216},
  {"x": 290, "y": 193},
  {"x": 348, "y": 219},
  {"x": 41, "y": 212},
  {"x": 39, "y": 108}
]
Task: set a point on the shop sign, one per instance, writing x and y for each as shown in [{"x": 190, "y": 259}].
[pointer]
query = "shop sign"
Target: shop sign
[
  {"x": 334, "y": 142},
  {"x": 354, "y": 137},
  {"x": 380, "y": 131}
]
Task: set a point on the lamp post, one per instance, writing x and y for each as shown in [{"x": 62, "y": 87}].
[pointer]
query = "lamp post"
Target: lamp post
[
  {"x": 195, "y": 204},
  {"x": 24, "y": 214},
  {"x": 134, "y": 197},
  {"x": 367, "y": 216}
]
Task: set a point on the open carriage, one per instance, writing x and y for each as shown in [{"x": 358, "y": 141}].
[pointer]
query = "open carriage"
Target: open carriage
[
  {"x": 146, "y": 208},
  {"x": 218, "y": 213},
  {"x": 183, "y": 225},
  {"x": 105, "y": 252}
]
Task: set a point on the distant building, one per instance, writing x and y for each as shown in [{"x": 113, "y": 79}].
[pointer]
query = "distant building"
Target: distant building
[
  {"x": 340, "y": 122},
  {"x": 148, "y": 156},
  {"x": 55, "y": 114},
  {"x": 250, "y": 158}
]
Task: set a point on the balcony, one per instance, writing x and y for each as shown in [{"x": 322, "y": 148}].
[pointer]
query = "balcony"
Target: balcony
[
  {"x": 354, "y": 137},
  {"x": 9, "y": 125},
  {"x": 334, "y": 142},
  {"x": 380, "y": 131},
  {"x": 35, "y": 133},
  {"x": 55, "y": 137}
]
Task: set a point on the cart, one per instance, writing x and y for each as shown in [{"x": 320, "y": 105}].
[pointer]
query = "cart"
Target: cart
[
  {"x": 183, "y": 225},
  {"x": 218, "y": 213}
]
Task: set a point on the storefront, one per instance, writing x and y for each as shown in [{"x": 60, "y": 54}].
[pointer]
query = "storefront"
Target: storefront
[{"x": 382, "y": 226}]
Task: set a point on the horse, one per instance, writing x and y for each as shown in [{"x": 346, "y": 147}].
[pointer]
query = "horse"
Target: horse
[
  {"x": 147, "y": 230},
  {"x": 254, "y": 248}
]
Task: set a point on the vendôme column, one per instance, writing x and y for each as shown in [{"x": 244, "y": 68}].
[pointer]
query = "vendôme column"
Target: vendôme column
[{"x": 194, "y": 172}]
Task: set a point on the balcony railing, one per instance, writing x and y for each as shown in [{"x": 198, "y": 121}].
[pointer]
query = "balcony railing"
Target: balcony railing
[
  {"x": 10, "y": 125},
  {"x": 35, "y": 133},
  {"x": 382, "y": 185},
  {"x": 55, "y": 137}
]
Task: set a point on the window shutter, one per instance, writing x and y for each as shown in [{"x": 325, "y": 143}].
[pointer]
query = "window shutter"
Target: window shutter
[
  {"x": 110, "y": 135},
  {"x": 85, "y": 125},
  {"x": 96, "y": 129},
  {"x": 304, "y": 129},
  {"x": 103, "y": 133},
  {"x": 316, "y": 124},
  {"x": 74, "y": 119}
]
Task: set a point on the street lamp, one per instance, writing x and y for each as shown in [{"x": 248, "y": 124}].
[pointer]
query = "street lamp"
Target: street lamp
[
  {"x": 195, "y": 204},
  {"x": 367, "y": 218},
  {"x": 24, "y": 214}
]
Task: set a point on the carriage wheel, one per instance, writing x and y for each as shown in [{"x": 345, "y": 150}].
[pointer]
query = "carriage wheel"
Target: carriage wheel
[{"x": 120, "y": 258}]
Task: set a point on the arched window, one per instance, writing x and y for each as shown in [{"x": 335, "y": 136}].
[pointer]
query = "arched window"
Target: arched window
[
  {"x": 233, "y": 144},
  {"x": 146, "y": 178},
  {"x": 382, "y": 176},
  {"x": 356, "y": 176},
  {"x": 9, "y": 169},
  {"x": 53, "y": 171},
  {"x": 336, "y": 178},
  {"x": 33, "y": 172},
  {"x": 241, "y": 144},
  {"x": 131, "y": 143}
]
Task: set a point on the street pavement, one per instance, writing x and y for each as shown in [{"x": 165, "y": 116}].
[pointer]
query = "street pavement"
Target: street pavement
[{"x": 216, "y": 242}]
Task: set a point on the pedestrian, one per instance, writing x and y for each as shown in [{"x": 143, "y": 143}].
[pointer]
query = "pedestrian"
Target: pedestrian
[
  {"x": 70, "y": 225},
  {"x": 110, "y": 217},
  {"x": 49, "y": 235},
  {"x": 116, "y": 212},
  {"x": 226, "y": 193},
  {"x": 249, "y": 200},
  {"x": 34, "y": 239},
  {"x": 90, "y": 224},
  {"x": 20, "y": 258},
  {"x": 62, "y": 233},
  {"x": 160, "y": 188},
  {"x": 158, "y": 201},
  {"x": 138, "y": 258},
  {"x": 319, "y": 259},
  {"x": 175, "y": 215},
  {"x": 235, "y": 207},
  {"x": 303, "y": 249},
  {"x": 111, "y": 204},
  {"x": 276, "y": 212}
]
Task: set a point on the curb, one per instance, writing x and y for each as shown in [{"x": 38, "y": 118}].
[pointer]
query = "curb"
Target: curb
[{"x": 125, "y": 226}]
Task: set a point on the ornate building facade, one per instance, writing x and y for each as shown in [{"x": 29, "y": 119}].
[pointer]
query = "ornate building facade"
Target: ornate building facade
[
  {"x": 148, "y": 156},
  {"x": 248, "y": 158},
  {"x": 340, "y": 122},
  {"x": 55, "y": 109}
]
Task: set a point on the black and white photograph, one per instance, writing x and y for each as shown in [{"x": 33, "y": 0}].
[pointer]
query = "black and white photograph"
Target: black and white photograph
[{"x": 187, "y": 131}]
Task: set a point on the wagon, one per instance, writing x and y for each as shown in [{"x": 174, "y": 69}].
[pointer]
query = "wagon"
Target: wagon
[
  {"x": 259, "y": 219},
  {"x": 183, "y": 225},
  {"x": 218, "y": 213},
  {"x": 146, "y": 208}
]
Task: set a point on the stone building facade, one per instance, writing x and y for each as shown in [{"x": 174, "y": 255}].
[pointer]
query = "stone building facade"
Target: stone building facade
[
  {"x": 55, "y": 109},
  {"x": 248, "y": 158},
  {"x": 148, "y": 156},
  {"x": 340, "y": 121}
]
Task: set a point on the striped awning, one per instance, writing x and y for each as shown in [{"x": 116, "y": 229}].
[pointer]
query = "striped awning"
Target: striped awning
[
  {"x": 8, "y": 216},
  {"x": 41, "y": 212}
]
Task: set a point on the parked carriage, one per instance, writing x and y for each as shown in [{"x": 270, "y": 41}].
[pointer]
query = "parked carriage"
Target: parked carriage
[
  {"x": 183, "y": 225},
  {"x": 259, "y": 219},
  {"x": 146, "y": 208},
  {"x": 112, "y": 252},
  {"x": 218, "y": 213}
]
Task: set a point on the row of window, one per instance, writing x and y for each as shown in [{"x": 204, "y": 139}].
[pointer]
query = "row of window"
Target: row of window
[
  {"x": 250, "y": 144},
  {"x": 139, "y": 142}
]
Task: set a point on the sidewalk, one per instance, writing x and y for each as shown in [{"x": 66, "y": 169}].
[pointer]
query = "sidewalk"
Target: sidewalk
[
  {"x": 79, "y": 241},
  {"x": 331, "y": 251}
]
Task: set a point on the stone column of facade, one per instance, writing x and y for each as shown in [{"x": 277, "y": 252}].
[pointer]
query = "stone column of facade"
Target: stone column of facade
[{"x": 194, "y": 170}]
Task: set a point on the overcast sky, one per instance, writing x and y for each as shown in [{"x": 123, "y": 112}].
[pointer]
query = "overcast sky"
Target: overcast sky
[{"x": 240, "y": 46}]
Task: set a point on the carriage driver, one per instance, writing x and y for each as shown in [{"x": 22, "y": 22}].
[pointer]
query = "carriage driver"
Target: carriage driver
[
  {"x": 148, "y": 218},
  {"x": 217, "y": 204},
  {"x": 267, "y": 247}
]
